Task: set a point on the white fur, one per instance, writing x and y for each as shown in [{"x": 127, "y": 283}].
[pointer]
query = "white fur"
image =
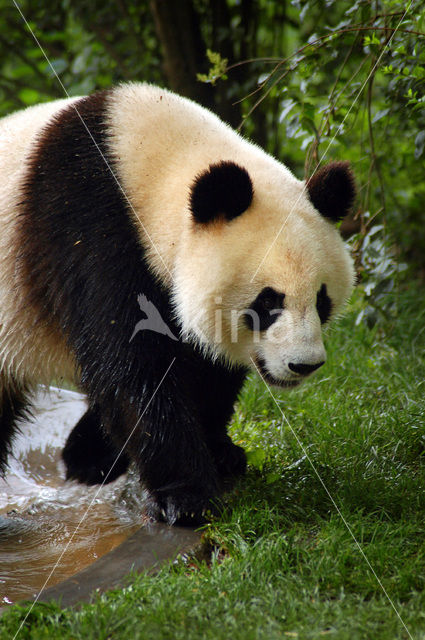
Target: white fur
[
  {"x": 161, "y": 142},
  {"x": 29, "y": 351}
]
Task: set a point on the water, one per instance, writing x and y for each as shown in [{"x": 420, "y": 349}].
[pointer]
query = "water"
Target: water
[{"x": 50, "y": 529}]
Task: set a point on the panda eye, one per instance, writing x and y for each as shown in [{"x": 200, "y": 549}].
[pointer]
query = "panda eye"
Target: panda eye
[
  {"x": 323, "y": 304},
  {"x": 269, "y": 302},
  {"x": 264, "y": 310}
]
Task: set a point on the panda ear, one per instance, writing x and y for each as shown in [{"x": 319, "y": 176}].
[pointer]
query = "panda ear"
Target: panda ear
[
  {"x": 332, "y": 190},
  {"x": 224, "y": 190}
]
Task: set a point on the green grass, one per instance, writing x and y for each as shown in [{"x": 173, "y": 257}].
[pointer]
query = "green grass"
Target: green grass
[{"x": 284, "y": 564}]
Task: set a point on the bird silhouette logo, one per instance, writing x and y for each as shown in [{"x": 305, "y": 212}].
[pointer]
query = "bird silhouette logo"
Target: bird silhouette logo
[{"x": 153, "y": 320}]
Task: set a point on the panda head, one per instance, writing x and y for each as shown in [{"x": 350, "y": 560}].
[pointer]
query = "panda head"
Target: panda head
[{"x": 263, "y": 267}]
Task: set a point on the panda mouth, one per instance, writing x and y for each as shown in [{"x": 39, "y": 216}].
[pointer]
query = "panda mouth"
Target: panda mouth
[{"x": 267, "y": 376}]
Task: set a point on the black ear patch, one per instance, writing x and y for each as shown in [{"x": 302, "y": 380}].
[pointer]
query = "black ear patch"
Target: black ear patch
[
  {"x": 332, "y": 190},
  {"x": 223, "y": 190}
]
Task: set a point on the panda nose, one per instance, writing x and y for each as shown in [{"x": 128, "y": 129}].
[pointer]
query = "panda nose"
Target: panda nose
[{"x": 304, "y": 369}]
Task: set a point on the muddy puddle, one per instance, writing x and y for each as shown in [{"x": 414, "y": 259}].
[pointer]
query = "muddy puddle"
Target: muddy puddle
[{"x": 51, "y": 529}]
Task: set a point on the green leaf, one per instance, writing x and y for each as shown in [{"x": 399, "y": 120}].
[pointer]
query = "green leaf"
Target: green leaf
[
  {"x": 29, "y": 96},
  {"x": 56, "y": 67},
  {"x": 272, "y": 477},
  {"x": 217, "y": 70},
  {"x": 419, "y": 144},
  {"x": 372, "y": 40},
  {"x": 256, "y": 458}
]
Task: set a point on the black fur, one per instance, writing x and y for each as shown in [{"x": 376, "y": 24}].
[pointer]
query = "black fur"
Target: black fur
[
  {"x": 13, "y": 407},
  {"x": 332, "y": 190},
  {"x": 84, "y": 267},
  {"x": 323, "y": 304},
  {"x": 223, "y": 190},
  {"x": 89, "y": 453},
  {"x": 265, "y": 309}
]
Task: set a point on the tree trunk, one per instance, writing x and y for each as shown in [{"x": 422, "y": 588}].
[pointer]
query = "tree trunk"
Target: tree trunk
[{"x": 184, "y": 51}]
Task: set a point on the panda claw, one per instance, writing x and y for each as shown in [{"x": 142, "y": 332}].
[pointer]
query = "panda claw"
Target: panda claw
[{"x": 184, "y": 508}]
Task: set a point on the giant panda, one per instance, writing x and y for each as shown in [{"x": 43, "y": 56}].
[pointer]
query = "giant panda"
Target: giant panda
[{"x": 136, "y": 195}]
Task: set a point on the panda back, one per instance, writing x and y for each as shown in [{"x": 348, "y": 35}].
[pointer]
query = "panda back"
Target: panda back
[{"x": 23, "y": 352}]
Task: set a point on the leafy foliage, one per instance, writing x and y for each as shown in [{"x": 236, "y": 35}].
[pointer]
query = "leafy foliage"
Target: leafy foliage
[{"x": 217, "y": 70}]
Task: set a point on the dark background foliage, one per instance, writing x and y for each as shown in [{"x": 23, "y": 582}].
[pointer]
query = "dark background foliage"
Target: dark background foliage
[{"x": 309, "y": 80}]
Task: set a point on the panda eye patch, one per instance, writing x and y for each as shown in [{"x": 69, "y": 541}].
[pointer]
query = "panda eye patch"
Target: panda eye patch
[
  {"x": 323, "y": 304},
  {"x": 265, "y": 309}
]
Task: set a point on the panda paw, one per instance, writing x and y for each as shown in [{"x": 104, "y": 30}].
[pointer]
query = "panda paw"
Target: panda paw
[
  {"x": 90, "y": 456},
  {"x": 186, "y": 506},
  {"x": 229, "y": 458}
]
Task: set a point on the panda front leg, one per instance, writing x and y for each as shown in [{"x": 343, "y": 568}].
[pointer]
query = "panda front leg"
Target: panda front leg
[
  {"x": 230, "y": 458},
  {"x": 215, "y": 392},
  {"x": 174, "y": 462}
]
